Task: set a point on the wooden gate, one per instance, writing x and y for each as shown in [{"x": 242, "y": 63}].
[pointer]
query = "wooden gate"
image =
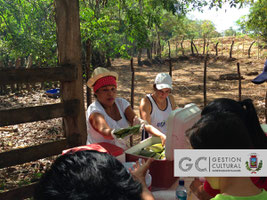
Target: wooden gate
[{"x": 71, "y": 108}]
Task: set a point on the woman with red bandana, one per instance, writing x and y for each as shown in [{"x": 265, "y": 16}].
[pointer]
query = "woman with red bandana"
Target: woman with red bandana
[{"x": 109, "y": 113}]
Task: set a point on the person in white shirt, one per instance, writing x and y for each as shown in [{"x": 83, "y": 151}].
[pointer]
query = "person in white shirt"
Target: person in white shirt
[
  {"x": 109, "y": 113},
  {"x": 155, "y": 108}
]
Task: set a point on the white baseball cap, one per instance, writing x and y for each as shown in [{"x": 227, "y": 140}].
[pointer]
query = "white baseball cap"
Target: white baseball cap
[{"x": 163, "y": 80}]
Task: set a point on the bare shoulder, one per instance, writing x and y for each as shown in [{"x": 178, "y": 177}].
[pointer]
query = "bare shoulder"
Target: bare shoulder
[
  {"x": 145, "y": 105},
  {"x": 171, "y": 97},
  {"x": 144, "y": 102}
]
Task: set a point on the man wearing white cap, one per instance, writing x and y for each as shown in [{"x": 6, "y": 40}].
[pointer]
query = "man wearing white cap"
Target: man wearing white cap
[{"x": 156, "y": 107}]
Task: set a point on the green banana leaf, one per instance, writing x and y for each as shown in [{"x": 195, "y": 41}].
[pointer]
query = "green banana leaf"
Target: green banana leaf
[{"x": 132, "y": 130}]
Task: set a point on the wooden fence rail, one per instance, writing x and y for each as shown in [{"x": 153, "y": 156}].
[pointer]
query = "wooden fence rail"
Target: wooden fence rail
[
  {"x": 19, "y": 193},
  {"x": 38, "y": 113},
  {"x": 28, "y": 154},
  {"x": 62, "y": 73}
]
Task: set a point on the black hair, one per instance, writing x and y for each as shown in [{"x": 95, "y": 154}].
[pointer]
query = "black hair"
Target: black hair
[
  {"x": 87, "y": 175},
  {"x": 247, "y": 113},
  {"x": 154, "y": 87},
  {"x": 219, "y": 130}
]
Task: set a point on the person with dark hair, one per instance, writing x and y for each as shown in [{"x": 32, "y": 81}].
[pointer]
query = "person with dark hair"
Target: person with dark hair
[
  {"x": 86, "y": 175},
  {"x": 108, "y": 113},
  {"x": 155, "y": 108},
  {"x": 245, "y": 110},
  {"x": 225, "y": 130}
]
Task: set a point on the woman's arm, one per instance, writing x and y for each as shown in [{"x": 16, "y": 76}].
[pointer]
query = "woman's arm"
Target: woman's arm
[
  {"x": 145, "y": 109},
  {"x": 152, "y": 130},
  {"x": 172, "y": 102},
  {"x": 99, "y": 123},
  {"x": 129, "y": 114}
]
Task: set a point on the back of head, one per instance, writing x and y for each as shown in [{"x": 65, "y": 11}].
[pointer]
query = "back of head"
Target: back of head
[
  {"x": 87, "y": 175},
  {"x": 246, "y": 111},
  {"x": 225, "y": 105},
  {"x": 219, "y": 130}
]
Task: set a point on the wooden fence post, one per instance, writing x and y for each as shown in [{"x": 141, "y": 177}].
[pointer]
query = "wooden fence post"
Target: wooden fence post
[
  {"x": 204, "y": 81},
  {"x": 170, "y": 61},
  {"x": 69, "y": 52},
  {"x": 231, "y": 49},
  {"x": 239, "y": 82},
  {"x": 88, "y": 71},
  {"x": 132, "y": 94},
  {"x": 249, "y": 49}
]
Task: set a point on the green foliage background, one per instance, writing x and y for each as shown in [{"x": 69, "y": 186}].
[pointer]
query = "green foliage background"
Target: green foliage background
[{"x": 116, "y": 28}]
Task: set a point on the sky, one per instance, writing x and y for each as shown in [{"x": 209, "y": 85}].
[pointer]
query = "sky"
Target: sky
[{"x": 223, "y": 19}]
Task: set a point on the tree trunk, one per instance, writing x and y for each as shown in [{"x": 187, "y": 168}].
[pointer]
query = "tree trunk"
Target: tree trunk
[
  {"x": 151, "y": 50},
  {"x": 169, "y": 45},
  {"x": 170, "y": 60},
  {"x": 158, "y": 44},
  {"x": 17, "y": 66},
  {"x": 132, "y": 95},
  {"x": 204, "y": 45},
  {"x": 139, "y": 57},
  {"x": 182, "y": 45},
  {"x": 176, "y": 48},
  {"x": 192, "y": 47},
  {"x": 69, "y": 52},
  {"x": 195, "y": 47},
  {"x": 207, "y": 51},
  {"x": 148, "y": 52},
  {"x": 29, "y": 65},
  {"x": 88, "y": 71},
  {"x": 108, "y": 64}
]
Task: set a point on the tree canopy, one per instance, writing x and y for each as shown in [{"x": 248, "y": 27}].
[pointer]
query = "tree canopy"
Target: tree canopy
[
  {"x": 27, "y": 27},
  {"x": 114, "y": 28},
  {"x": 257, "y": 19}
]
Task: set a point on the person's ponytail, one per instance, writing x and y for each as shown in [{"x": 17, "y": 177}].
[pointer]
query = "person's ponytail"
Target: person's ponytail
[{"x": 256, "y": 133}]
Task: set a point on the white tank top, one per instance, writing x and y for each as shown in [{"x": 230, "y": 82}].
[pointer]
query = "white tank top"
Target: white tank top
[
  {"x": 92, "y": 135},
  {"x": 159, "y": 117}
]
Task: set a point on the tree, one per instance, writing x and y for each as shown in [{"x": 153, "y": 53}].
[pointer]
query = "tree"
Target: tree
[
  {"x": 28, "y": 27},
  {"x": 257, "y": 19},
  {"x": 230, "y": 32}
]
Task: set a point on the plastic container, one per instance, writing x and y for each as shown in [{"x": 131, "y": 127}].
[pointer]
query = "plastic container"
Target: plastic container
[
  {"x": 162, "y": 171},
  {"x": 181, "y": 193},
  {"x": 54, "y": 93},
  {"x": 178, "y": 122}
]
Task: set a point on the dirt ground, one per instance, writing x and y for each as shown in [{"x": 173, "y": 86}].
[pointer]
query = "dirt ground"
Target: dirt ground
[
  {"x": 187, "y": 88},
  {"x": 187, "y": 78}
]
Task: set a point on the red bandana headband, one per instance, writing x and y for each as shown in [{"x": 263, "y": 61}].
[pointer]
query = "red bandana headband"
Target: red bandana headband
[{"x": 104, "y": 81}]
